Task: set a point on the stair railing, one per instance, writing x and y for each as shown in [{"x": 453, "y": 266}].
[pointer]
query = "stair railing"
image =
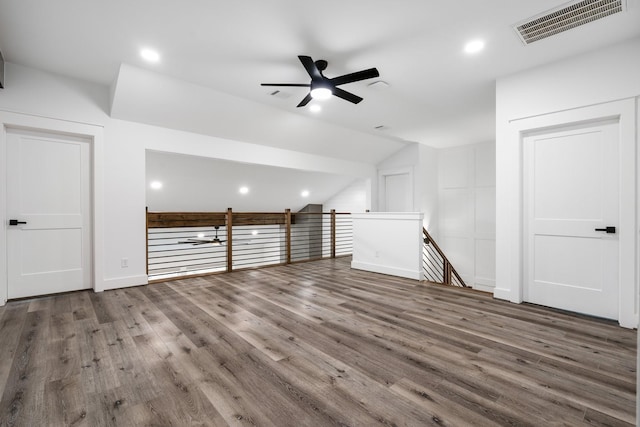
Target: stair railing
[{"x": 436, "y": 265}]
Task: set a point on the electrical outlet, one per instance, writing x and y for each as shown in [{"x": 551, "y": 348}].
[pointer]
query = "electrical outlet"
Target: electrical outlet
[{"x": 124, "y": 262}]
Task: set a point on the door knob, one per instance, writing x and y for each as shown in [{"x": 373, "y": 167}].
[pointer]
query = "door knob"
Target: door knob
[
  {"x": 608, "y": 229},
  {"x": 16, "y": 222}
]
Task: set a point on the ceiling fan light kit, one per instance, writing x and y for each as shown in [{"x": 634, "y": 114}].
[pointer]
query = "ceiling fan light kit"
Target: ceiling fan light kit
[
  {"x": 321, "y": 93},
  {"x": 322, "y": 87}
]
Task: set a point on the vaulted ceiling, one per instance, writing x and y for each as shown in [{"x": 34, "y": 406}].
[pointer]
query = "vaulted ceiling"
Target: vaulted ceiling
[{"x": 220, "y": 52}]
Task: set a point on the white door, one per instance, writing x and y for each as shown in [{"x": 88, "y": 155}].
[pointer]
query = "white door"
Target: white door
[
  {"x": 48, "y": 194},
  {"x": 571, "y": 197},
  {"x": 398, "y": 193}
]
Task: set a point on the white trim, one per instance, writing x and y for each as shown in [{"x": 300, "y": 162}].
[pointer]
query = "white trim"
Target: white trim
[
  {"x": 95, "y": 134},
  {"x": 509, "y": 203},
  {"x": 383, "y": 174},
  {"x": 484, "y": 285},
  {"x": 383, "y": 269},
  {"x": 125, "y": 282},
  {"x": 393, "y": 216},
  {"x": 637, "y": 299}
]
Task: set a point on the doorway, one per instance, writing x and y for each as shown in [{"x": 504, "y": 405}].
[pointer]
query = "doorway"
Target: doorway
[
  {"x": 571, "y": 201},
  {"x": 49, "y": 211},
  {"x": 396, "y": 190}
]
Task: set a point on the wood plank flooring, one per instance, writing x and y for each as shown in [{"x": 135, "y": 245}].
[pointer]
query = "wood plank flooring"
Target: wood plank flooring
[{"x": 313, "y": 344}]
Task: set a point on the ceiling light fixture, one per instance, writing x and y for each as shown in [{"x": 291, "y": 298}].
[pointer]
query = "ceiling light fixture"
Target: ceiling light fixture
[
  {"x": 305, "y": 193},
  {"x": 155, "y": 185},
  {"x": 322, "y": 87},
  {"x": 244, "y": 190},
  {"x": 216, "y": 240},
  {"x": 321, "y": 93},
  {"x": 320, "y": 90},
  {"x": 474, "y": 46},
  {"x": 150, "y": 55}
]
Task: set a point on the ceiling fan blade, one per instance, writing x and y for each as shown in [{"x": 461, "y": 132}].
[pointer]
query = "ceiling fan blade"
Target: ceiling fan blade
[
  {"x": 311, "y": 67},
  {"x": 286, "y": 84},
  {"x": 305, "y": 100},
  {"x": 193, "y": 242},
  {"x": 356, "y": 77},
  {"x": 348, "y": 96}
]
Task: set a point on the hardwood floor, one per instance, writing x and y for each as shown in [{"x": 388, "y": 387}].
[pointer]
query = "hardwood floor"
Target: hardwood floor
[{"x": 308, "y": 345}]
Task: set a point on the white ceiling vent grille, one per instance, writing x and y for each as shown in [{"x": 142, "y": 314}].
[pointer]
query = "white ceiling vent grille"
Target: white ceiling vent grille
[{"x": 566, "y": 18}]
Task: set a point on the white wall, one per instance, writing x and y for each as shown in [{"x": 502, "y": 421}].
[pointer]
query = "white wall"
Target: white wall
[
  {"x": 399, "y": 253},
  {"x": 427, "y": 188},
  {"x": 466, "y": 206},
  {"x": 122, "y": 209},
  {"x": 420, "y": 161},
  {"x": 203, "y": 184},
  {"x": 125, "y": 151},
  {"x": 576, "y": 89},
  {"x": 405, "y": 161},
  {"x": 39, "y": 93},
  {"x": 353, "y": 198}
]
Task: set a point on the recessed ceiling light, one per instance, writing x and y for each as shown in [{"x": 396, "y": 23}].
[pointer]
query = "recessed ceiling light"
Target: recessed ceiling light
[
  {"x": 155, "y": 185},
  {"x": 254, "y": 233},
  {"x": 474, "y": 46},
  {"x": 150, "y": 55},
  {"x": 244, "y": 190},
  {"x": 315, "y": 108},
  {"x": 305, "y": 193}
]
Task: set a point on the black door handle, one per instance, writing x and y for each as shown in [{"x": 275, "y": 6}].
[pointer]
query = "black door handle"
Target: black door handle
[
  {"x": 16, "y": 222},
  {"x": 608, "y": 230}
]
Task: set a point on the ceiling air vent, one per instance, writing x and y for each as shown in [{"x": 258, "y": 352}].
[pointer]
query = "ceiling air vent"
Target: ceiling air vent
[{"x": 565, "y": 18}]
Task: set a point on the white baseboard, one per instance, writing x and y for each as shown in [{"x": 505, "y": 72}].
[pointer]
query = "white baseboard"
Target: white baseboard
[
  {"x": 393, "y": 271},
  {"x": 504, "y": 294},
  {"x": 483, "y": 284},
  {"x": 125, "y": 282}
]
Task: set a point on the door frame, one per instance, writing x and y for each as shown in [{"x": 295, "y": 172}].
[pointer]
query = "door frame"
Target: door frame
[
  {"x": 95, "y": 135},
  {"x": 382, "y": 190},
  {"x": 510, "y": 203},
  {"x": 528, "y": 202}
]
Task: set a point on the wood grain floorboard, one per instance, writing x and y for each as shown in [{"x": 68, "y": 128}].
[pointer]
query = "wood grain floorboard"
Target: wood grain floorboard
[{"x": 314, "y": 344}]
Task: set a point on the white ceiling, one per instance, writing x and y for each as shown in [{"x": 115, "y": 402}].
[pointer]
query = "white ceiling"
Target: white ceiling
[{"x": 437, "y": 96}]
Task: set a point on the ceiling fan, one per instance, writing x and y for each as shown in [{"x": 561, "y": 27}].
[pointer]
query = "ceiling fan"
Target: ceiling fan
[
  {"x": 203, "y": 240},
  {"x": 322, "y": 87}
]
